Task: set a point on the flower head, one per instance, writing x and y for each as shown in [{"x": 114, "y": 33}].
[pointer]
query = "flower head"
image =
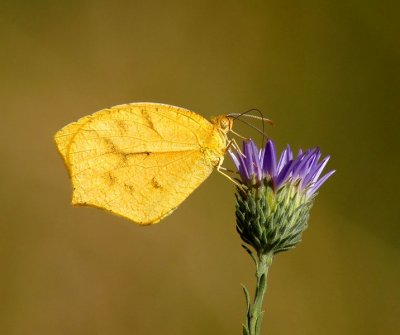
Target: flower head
[
  {"x": 276, "y": 196},
  {"x": 258, "y": 167}
]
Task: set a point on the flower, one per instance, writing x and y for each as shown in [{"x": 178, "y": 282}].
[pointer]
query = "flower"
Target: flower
[
  {"x": 275, "y": 196},
  {"x": 261, "y": 166}
]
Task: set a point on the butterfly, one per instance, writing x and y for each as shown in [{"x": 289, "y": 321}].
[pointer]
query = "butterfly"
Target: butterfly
[{"x": 141, "y": 160}]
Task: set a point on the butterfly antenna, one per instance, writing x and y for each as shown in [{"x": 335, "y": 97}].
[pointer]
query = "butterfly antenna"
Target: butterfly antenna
[
  {"x": 251, "y": 126},
  {"x": 236, "y": 116}
]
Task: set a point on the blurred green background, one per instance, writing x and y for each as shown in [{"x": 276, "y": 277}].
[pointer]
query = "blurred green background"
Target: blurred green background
[{"x": 326, "y": 72}]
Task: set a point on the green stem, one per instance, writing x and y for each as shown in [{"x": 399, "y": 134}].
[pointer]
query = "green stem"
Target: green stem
[{"x": 255, "y": 312}]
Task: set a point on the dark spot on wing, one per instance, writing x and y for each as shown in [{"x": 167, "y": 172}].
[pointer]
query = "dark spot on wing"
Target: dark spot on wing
[
  {"x": 149, "y": 122},
  {"x": 124, "y": 157},
  {"x": 110, "y": 144},
  {"x": 147, "y": 117},
  {"x": 113, "y": 149},
  {"x": 155, "y": 183},
  {"x": 111, "y": 179},
  {"x": 122, "y": 125},
  {"x": 129, "y": 188}
]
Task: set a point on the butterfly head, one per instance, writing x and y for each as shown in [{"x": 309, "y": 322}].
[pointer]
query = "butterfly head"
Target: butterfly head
[{"x": 224, "y": 123}]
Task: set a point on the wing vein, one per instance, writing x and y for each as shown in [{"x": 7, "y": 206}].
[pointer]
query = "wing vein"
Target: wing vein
[{"x": 134, "y": 165}]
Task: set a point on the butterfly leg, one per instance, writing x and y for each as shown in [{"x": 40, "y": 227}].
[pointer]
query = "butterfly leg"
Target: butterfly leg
[
  {"x": 221, "y": 170},
  {"x": 232, "y": 143},
  {"x": 228, "y": 170},
  {"x": 237, "y": 134}
]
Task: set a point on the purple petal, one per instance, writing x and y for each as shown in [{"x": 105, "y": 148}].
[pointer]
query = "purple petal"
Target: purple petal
[
  {"x": 269, "y": 161},
  {"x": 234, "y": 158},
  {"x": 310, "y": 165},
  {"x": 261, "y": 154},
  {"x": 244, "y": 172},
  {"x": 301, "y": 169},
  {"x": 319, "y": 169},
  {"x": 319, "y": 183},
  {"x": 289, "y": 153},
  {"x": 283, "y": 175},
  {"x": 312, "y": 168},
  {"x": 248, "y": 159},
  {"x": 297, "y": 162},
  {"x": 240, "y": 165},
  {"x": 256, "y": 160},
  {"x": 318, "y": 153},
  {"x": 286, "y": 156},
  {"x": 314, "y": 160}
]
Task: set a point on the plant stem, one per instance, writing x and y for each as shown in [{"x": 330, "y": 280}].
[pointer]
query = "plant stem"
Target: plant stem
[{"x": 255, "y": 312}]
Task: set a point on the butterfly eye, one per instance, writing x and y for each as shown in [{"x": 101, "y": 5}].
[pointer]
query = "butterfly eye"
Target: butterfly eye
[{"x": 224, "y": 123}]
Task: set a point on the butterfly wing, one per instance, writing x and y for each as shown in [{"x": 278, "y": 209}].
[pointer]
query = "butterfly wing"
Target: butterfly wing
[
  {"x": 64, "y": 137},
  {"x": 139, "y": 161}
]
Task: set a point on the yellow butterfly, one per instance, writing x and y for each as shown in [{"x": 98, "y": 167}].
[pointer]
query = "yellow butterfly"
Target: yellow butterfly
[{"x": 141, "y": 160}]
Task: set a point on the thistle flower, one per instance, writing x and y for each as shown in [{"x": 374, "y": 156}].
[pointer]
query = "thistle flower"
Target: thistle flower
[{"x": 273, "y": 204}]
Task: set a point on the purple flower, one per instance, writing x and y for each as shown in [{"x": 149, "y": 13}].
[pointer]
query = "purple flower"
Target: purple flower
[{"x": 261, "y": 167}]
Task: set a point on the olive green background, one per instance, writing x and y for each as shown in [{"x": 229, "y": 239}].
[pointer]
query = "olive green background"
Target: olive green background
[{"x": 326, "y": 72}]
